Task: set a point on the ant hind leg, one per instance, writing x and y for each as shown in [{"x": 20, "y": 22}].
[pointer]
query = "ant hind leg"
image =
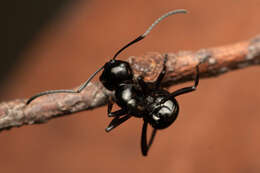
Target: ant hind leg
[
  {"x": 144, "y": 146},
  {"x": 188, "y": 89}
]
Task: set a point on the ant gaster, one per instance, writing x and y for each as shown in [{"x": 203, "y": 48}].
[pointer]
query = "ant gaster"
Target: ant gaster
[{"x": 135, "y": 97}]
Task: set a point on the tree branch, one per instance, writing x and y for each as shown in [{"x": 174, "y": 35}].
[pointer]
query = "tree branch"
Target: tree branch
[{"x": 180, "y": 68}]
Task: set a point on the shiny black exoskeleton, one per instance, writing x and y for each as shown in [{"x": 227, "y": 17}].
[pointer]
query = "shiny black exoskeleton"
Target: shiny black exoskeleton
[
  {"x": 135, "y": 97},
  {"x": 149, "y": 101},
  {"x": 115, "y": 72}
]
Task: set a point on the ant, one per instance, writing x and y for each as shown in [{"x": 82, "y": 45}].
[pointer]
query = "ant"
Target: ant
[{"x": 135, "y": 97}]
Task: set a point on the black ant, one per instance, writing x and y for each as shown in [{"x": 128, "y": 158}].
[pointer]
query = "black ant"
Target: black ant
[{"x": 137, "y": 98}]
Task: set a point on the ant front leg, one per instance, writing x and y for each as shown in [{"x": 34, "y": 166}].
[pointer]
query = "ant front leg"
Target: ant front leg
[
  {"x": 144, "y": 146},
  {"x": 116, "y": 113},
  {"x": 142, "y": 83},
  {"x": 158, "y": 81},
  {"x": 116, "y": 122},
  {"x": 188, "y": 89}
]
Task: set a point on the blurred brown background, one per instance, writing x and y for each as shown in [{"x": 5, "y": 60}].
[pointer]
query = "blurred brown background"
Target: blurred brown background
[{"x": 218, "y": 129}]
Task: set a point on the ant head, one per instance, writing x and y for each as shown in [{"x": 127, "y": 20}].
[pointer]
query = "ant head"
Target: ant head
[
  {"x": 115, "y": 72},
  {"x": 163, "y": 114}
]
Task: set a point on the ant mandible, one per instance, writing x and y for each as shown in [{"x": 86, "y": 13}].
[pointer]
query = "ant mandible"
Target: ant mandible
[{"x": 135, "y": 97}]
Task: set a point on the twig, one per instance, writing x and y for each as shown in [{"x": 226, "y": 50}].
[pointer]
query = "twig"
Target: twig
[{"x": 180, "y": 68}]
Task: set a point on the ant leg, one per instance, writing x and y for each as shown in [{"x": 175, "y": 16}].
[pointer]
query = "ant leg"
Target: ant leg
[
  {"x": 188, "y": 89},
  {"x": 152, "y": 137},
  {"x": 109, "y": 106},
  {"x": 142, "y": 83},
  {"x": 162, "y": 74},
  {"x": 116, "y": 113},
  {"x": 144, "y": 146},
  {"x": 116, "y": 122},
  {"x": 158, "y": 81}
]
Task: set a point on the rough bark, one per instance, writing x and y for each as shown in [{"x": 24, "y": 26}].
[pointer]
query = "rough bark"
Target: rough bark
[{"x": 180, "y": 68}]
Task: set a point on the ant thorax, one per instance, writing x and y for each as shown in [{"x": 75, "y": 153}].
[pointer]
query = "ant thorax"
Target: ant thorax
[{"x": 130, "y": 97}]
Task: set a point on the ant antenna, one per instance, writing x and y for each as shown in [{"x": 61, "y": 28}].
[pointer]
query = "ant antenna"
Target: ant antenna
[
  {"x": 150, "y": 28},
  {"x": 65, "y": 91},
  {"x": 94, "y": 74},
  {"x": 89, "y": 79}
]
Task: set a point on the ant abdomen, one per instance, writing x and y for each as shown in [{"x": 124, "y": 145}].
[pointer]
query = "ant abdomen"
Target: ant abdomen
[{"x": 164, "y": 111}]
